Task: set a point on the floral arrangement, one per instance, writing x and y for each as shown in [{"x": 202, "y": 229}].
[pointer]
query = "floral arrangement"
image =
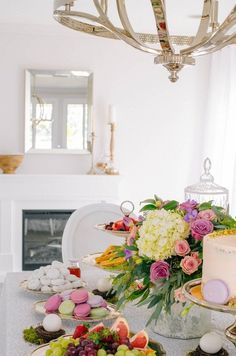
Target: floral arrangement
[{"x": 164, "y": 251}]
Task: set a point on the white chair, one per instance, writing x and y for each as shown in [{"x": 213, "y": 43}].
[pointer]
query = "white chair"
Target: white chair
[{"x": 80, "y": 237}]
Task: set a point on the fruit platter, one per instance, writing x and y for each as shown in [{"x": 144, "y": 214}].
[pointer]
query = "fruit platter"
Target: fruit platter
[
  {"x": 79, "y": 304},
  {"x": 51, "y": 279},
  {"x": 121, "y": 227},
  {"x": 102, "y": 341},
  {"x": 110, "y": 259}
]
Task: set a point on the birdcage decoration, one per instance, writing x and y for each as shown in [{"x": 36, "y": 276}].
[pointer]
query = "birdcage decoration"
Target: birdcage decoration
[{"x": 207, "y": 189}]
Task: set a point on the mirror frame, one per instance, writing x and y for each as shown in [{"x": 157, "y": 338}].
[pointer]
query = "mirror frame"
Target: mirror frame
[{"x": 27, "y": 116}]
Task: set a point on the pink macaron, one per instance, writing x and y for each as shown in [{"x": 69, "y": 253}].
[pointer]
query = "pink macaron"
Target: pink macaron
[
  {"x": 82, "y": 310},
  {"x": 53, "y": 303},
  {"x": 79, "y": 296},
  {"x": 95, "y": 301}
]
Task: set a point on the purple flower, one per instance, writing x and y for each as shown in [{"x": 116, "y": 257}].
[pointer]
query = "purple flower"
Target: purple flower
[
  {"x": 191, "y": 216},
  {"x": 200, "y": 228},
  {"x": 188, "y": 205},
  {"x": 127, "y": 221},
  {"x": 128, "y": 254},
  {"x": 159, "y": 270}
]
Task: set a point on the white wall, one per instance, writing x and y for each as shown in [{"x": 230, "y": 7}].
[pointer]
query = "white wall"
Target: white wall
[{"x": 160, "y": 124}]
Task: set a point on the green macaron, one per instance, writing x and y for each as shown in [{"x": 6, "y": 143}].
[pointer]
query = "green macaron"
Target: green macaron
[
  {"x": 66, "y": 307},
  {"x": 98, "y": 313}
]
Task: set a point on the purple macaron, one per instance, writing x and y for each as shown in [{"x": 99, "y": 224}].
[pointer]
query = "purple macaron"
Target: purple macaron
[
  {"x": 216, "y": 291},
  {"x": 95, "y": 301}
]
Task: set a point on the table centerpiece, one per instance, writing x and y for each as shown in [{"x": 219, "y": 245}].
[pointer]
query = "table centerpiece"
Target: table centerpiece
[{"x": 163, "y": 252}]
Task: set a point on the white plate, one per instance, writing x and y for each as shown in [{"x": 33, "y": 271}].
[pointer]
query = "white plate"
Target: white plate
[
  {"x": 23, "y": 285},
  {"x": 41, "y": 350},
  {"x": 113, "y": 314},
  {"x": 102, "y": 227},
  {"x": 91, "y": 261}
]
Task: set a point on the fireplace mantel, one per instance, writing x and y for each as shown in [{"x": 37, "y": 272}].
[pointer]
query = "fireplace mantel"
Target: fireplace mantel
[{"x": 20, "y": 192}]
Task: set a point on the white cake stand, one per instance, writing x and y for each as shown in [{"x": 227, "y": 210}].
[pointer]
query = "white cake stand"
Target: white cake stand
[{"x": 230, "y": 331}]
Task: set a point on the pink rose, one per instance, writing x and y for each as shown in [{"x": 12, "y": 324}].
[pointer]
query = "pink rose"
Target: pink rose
[
  {"x": 189, "y": 264},
  {"x": 159, "y": 270},
  {"x": 188, "y": 205},
  {"x": 178, "y": 295},
  {"x": 196, "y": 256},
  {"x": 200, "y": 228},
  {"x": 182, "y": 247},
  {"x": 207, "y": 215}
]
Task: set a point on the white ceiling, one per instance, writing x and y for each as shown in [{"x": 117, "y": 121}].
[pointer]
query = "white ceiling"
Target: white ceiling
[{"x": 39, "y": 12}]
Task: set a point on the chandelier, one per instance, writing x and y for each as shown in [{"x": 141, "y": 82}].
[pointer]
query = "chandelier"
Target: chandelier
[{"x": 210, "y": 37}]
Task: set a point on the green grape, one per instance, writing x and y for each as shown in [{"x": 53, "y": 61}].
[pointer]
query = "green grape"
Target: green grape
[
  {"x": 57, "y": 351},
  {"x": 101, "y": 352},
  {"x": 49, "y": 352},
  {"x": 136, "y": 352},
  {"x": 65, "y": 343},
  {"x": 110, "y": 355},
  {"x": 120, "y": 353},
  {"x": 122, "y": 347},
  {"x": 129, "y": 353}
]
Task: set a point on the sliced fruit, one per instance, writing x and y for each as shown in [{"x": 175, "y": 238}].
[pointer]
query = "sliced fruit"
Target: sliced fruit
[
  {"x": 97, "y": 327},
  {"x": 196, "y": 292},
  {"x": 121, "y": 327},
  {"x": 118, "y": 226},
  {"x": 140, "y": 340}
]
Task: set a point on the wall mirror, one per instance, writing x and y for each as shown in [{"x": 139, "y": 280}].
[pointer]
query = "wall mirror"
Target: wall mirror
[{"x": 58, "y": 111}]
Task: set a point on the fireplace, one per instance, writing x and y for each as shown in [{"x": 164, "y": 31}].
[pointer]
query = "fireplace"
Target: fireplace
[{"x": 42, "y": 236}]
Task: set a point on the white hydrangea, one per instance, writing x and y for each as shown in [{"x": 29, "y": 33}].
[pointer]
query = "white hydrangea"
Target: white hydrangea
[{"x": 159, "y": 232}]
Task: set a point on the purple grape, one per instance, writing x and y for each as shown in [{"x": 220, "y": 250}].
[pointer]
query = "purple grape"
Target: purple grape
[
  {"x": 79, "y": 348},
  {"x": 84, "y": 343},
  {"x": 82, "y": 353},
  {"x": 92, "y": 353}
]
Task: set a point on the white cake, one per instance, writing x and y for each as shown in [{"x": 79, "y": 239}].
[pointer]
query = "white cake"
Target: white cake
[{"x": 219, "y": 259}]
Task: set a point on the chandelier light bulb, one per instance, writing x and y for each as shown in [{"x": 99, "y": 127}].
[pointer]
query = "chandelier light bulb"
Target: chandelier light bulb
[{"x": 211, "y": 35}]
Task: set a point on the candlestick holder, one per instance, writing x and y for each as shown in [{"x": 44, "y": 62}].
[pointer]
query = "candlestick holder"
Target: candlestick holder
[
  {"x": 110, "y": 167},
  {"x": 92, "y": 169}
]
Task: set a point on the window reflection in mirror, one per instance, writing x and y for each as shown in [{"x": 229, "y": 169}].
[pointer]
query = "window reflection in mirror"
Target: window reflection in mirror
[{"x": 58, "y": 110}]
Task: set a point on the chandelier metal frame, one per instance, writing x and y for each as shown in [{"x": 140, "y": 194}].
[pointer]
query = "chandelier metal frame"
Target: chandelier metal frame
[{"x": 210, "y": 37}]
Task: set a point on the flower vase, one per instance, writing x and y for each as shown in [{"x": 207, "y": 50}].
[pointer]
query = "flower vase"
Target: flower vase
[{"x": 194, "y": 324}]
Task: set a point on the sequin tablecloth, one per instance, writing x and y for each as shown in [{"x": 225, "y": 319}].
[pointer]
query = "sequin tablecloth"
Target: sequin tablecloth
[{"x": 17, "y": 313}]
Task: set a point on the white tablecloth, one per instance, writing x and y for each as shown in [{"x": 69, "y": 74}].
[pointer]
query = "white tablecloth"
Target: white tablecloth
[{"x": 17, "y": 313}]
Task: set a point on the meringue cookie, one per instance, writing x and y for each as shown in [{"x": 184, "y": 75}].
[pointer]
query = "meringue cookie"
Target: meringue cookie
[
  {"x": 57, "y": 264},
  {"x": 53, "y": 273},
  {"x": 58, "y": 282},
  {"x": 58, "y": 289},
  {"x": 34, "y": 284},
  {"x": 46, "y": 289},
  {"x": 45, "y": 281},
  {"x": 77, "y": 284},
  {"x": 64, "y": 271}
]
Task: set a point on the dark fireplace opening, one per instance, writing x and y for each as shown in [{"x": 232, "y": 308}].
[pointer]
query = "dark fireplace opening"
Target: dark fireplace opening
[{"x": 42, "y": 237}]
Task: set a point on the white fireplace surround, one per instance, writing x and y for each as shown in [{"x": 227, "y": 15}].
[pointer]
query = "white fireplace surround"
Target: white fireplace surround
[{"x": 44, "y": 192}]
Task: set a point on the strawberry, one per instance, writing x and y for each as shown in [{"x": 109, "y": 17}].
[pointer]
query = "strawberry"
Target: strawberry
[{"x": 79, "y": 331}]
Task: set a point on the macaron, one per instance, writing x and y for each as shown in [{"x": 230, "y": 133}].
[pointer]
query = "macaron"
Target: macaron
[
  {"x": 95, "y": 301},
  {"x": 65, "y": 295},
  {"x": 98, "y": 313},
  {"x": 82, "y": 310},
  {"x": 79, "y": 296},
  {"x": 216, "y": 291},
  {"x": 66, "y": 307},
  {"x": 53, "y": 303}
]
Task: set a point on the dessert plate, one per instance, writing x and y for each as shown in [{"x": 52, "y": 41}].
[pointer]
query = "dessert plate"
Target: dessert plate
[
  {"x": 102, "y": 227},
  {"x": 91, "y": 261},
  {"x": 23, "y": 285},
  {"x": 189, "y": 290},
  {"x": 41, "y": 350},
  {"x": 113, "y": 313}
]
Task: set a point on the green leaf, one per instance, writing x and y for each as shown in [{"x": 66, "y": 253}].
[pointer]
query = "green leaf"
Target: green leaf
[
  {"x": 205, "y": 206},
  {"x": 151, "y": 201},
  {"x": 156, "y": 313},
  {"x": 155, "y": 300},
  {"x": 131, "y": 248},
  {"x": 148, "y": 207},
  {"x": 157, "y": 198},
  {"x": 144, "y": 297},
  {"x": 171, "y": 205}
]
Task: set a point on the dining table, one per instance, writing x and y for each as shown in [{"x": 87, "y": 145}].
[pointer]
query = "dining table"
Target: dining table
[{"x": 17, "y": 313}]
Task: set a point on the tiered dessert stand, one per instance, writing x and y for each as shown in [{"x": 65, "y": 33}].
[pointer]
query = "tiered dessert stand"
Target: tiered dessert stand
[{"x": 230, "y": 331}]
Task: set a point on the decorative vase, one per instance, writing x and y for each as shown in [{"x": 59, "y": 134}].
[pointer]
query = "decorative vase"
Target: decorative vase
[
  {"x": 196, "y": 323},
  {"x": 9, "y": 163}
]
